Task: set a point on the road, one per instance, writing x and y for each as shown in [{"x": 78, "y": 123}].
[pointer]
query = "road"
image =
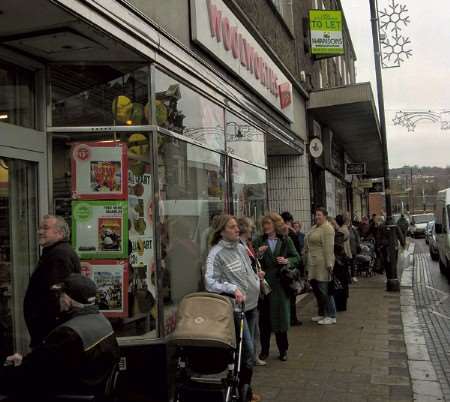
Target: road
[{"x": 432, "y": 295}]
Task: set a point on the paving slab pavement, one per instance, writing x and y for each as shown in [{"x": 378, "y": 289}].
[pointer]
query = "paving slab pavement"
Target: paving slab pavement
[{"x": 362, "y": 358}]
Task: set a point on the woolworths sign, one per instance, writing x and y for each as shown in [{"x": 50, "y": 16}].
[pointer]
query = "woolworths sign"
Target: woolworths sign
[{"x": 326, "y": 32}]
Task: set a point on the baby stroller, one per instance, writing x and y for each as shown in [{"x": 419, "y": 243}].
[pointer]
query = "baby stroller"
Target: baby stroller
[
  {"x": 208, "y": 349},
  {"x": 365, "y": 260}
]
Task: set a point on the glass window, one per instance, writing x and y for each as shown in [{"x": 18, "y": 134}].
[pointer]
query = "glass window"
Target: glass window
[
  {"x": 184, "y": 111},
  {"x": 249, "y": 190},
  {"x": 96, "y": 95},
  {"x": 17, "y": 96},
  {"x": 245, "y": 140},
  {"x": 192, "y": 190},
  {"x": 18, "y": 248},
  {"x": 132, "y": 293}
]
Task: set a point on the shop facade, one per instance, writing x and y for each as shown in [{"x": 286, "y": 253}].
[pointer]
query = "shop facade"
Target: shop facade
[
  {"x": 344, "y": 119},
  {"x": 138, "y": 141}
]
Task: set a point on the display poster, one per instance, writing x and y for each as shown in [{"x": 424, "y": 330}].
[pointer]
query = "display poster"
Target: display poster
[
  {"x": 100, "y": 229},
  {"x": 111, "y": 278},
  {"x": 326, "y": 32},
  {"x": 99, "y": 170},
  {"x": 140, "y": 215}
]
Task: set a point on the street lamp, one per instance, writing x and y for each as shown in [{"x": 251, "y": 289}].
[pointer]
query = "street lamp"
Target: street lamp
[{"x": 391, "y": 230}]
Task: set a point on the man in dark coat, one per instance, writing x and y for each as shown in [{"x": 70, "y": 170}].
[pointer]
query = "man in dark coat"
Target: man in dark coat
[
  {"x": 76, "y": 357},
  {"x": 57, "y": 262}
]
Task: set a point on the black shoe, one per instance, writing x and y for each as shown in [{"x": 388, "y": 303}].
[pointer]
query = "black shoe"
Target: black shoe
[
  {"x": 296, "y": 323},
  {"x": 283, "y": 357},
  {"x": 263, "y": 356}
]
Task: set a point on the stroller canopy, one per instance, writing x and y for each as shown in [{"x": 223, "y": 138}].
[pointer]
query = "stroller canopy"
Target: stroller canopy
[{"x": 205, "y": 320}]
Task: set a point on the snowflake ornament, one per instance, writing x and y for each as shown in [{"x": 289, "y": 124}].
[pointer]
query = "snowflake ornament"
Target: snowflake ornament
[{"x": 394, "y": 44}]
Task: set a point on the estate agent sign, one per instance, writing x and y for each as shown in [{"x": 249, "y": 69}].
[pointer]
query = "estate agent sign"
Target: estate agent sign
[{"x": 326, "y": 32}]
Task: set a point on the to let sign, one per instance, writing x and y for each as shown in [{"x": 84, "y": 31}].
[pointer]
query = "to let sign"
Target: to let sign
[
  {"x": 355, "y": 168},
  {"x": 326, "y": 32}
]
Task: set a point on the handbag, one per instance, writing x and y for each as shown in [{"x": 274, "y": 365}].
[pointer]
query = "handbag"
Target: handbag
[
  {"x": 334, "y": 285},
  {"x": 264, "y": 285},
  {"x": 291, "y": 281}
]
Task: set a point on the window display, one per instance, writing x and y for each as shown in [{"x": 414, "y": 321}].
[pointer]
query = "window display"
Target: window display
[
  {"x": 193, "y": 191},
  {"x": 114, "y": 237},
  {"x": 99, "y": 170},
  {"x": 249, "y": 190},
  {"x": 186, "y": 112},
  {"x": 111, "y": 278},
  {"x": 244, "y": 140},
  {"x": 99, "y": 94}
]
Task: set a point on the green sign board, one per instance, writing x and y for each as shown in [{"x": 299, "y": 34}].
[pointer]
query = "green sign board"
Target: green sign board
[
  {"x": 100, "y": 229},
  {"x": 326, "y": 32}
]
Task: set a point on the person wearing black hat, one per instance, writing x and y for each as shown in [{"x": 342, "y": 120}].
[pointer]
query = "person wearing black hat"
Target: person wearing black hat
[{"x": 74, "y": 358}]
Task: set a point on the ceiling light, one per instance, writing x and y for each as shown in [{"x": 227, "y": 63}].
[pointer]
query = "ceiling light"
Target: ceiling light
[{"x": 3, "y": 116}]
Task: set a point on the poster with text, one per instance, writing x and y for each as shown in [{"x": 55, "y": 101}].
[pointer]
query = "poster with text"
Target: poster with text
[
  {"x": 140, "y": 216},
  {"x": 99, "y": 170},
  {"x": 100, "y": 229},
  {"x": 111, "y": 278}
]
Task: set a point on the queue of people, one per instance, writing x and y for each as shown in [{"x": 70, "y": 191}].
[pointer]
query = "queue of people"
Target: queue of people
[{"x": 242, "y": 264}]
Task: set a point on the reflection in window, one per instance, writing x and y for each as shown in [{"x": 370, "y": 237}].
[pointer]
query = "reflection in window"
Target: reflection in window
[
  {"x": 139, "y": 293},
  {"x": 17, "y": 96},
  {"x": 95, "y": 95},
  {"x": 182, "y": 110},
  {"x": 249, "y": 190},
  {"x": 192, "y": 188},
  {"x": 244, "y": 140}
]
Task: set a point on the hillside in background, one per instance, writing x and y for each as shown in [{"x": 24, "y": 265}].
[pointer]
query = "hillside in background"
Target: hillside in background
[{"x": 414, "y": 188}]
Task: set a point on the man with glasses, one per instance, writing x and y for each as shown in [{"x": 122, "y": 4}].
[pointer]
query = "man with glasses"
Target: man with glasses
[{"x": 57, "y": 262}]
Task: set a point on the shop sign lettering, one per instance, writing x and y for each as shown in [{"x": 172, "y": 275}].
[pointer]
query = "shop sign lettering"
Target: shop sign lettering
[{"x": 217, "y": 29}]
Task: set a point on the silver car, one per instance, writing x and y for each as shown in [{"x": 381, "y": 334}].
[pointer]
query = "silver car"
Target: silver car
[
  {"x": 433, "y": 244},
  {"x": 428, "y": 231}
]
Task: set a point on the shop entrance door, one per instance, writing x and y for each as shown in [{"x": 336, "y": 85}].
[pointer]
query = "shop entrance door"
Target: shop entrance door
[
  {"x": 18, "y": 247},
  {"x": 23, "y": 199}
]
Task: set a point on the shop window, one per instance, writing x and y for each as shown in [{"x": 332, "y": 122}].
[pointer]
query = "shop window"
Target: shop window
[
  {"x": 115, "y": 238},
  {"x": 18, "y": 248},
  {"x": 245, "y": 140},
  {"x": 184, "y": 111},
  {"x": 17, "y": 96},
  {"x": 100, "y": 94},
  {"x": 249, "y": 190},
  {"x": 192, "y": 191}
]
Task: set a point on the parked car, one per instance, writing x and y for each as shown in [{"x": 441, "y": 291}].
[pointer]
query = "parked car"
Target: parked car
[
  {"x": 428, "y": 231},
  {"x": 442, "y": 229},
  {"x": 418, "y": 224},
  {"x": 433, "y": 244}
]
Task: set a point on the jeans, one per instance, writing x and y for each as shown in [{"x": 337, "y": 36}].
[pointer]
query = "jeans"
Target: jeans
[
  {"x": 248, "y": 337},
  {"x": 325, "y": 301}
]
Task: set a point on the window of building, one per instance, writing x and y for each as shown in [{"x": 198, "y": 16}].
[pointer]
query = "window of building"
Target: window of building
[
  {"x": 249, "y": 190},
  {"x": 99, "y": 95},
  {"x": 17, "y": 103},
  {"x": 18, "y": 248},
  {"x": 192, "y": 191},
  {"x": 127, "y": 293},
  {"x": 186, "y": 112},
  {"x": 244, "y": 140},
  {"x": 284, "y": 8}
]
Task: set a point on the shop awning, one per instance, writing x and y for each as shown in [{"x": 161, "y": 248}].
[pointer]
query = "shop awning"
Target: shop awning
[{"x": 351, "y": 113}]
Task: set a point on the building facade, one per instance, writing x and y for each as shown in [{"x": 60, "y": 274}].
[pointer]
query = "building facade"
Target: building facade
[{"x": 139, "y": 121}]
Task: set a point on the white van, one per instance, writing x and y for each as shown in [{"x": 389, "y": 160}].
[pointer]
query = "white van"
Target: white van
[{"x": 442, "y": 229}]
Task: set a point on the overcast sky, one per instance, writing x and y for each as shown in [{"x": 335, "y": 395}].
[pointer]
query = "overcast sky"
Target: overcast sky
[{"x": 421, "y": 83}]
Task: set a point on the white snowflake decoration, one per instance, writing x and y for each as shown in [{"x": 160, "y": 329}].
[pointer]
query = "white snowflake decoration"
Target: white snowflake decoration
[{"x": 394, "y": 45}]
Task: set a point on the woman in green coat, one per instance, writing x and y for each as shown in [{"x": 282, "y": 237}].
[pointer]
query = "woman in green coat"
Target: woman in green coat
[{"x": 275, "y": 250}]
